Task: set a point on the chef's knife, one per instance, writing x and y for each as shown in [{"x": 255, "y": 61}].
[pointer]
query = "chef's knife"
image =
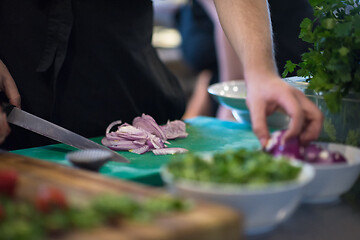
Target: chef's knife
[{"x": 38, "y": 125}]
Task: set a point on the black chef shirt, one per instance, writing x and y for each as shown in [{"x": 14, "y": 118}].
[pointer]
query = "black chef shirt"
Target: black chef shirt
[{"x": 85, "y": 63}]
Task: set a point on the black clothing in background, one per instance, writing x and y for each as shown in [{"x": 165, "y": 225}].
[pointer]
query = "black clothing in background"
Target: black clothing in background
[
  {"x": 198, "y": 42},
  {"x": 85, "y": 63},
  {"x": 286, "y": 17},
  {"x": 198, "y": 45}
]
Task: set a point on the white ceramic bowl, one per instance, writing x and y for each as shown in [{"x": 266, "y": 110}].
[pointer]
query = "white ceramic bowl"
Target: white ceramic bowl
[
  {"x": 263, "y": 207},
  {"x": 232, "y": 94},
  {"x": 333, "y": 180}
]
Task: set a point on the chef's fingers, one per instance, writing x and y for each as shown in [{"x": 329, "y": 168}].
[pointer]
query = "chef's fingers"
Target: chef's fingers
[
  {"x": 4, "y": 127},
  {"x": 289, "y": 102},
  {"x": 12, "y": 92},
  {"x": 7, "y": 84},
  {"x": 313, "y": 119},
  {"x": 258, "y": 120}
]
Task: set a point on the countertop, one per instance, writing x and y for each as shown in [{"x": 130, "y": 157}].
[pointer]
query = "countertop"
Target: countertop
[
  {"x": 331, "y": 221},
  {"x": 326, "y": 221}
]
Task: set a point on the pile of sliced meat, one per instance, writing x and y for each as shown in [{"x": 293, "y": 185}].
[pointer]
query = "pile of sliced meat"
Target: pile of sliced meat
[{"x": 145, "y": 135}]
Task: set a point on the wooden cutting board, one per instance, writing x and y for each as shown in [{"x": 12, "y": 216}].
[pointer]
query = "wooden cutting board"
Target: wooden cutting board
[{"x": 205, "y": 221}]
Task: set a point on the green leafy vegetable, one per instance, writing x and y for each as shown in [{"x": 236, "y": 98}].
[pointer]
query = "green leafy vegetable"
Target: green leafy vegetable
[
  {"x": 332, "y": 65},
  {"x": 241, "y": 166}
]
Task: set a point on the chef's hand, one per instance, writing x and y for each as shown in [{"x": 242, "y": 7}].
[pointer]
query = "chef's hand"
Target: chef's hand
[
  {"x": 267, "y": 93},
  {"x": 8, "y": 86},
  {"x": 4, "y": 127}
]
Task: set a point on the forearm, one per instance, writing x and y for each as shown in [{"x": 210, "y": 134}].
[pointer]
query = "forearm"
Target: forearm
[{"x": 247, "y": 26}]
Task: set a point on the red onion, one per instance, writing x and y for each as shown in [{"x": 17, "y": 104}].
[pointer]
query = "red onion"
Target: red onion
[
  {"x": 144, "y": 135},
  {"x": 164, "y": 151},
  {"x": 290, "y": 148},
  {"x": 149, "y": 124},
  {"x": 312, "y": 153},
  {"x": 338, "y": 157},
  {"x": 140, "y": 150},
  {"x": 174, "y": 129}
]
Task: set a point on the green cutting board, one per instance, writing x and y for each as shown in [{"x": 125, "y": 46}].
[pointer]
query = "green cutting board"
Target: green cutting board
[{"x": 205, "y": 135}]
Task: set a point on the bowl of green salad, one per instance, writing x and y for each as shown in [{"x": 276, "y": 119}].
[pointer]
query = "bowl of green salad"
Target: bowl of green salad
[{"x": 266, "y": 190}]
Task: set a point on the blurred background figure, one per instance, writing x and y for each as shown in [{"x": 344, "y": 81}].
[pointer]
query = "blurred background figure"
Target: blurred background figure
[{"x": 206, "y": 49}]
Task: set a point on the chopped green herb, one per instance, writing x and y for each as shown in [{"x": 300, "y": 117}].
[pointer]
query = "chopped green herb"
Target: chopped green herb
[{"x": 238, "y": 166}]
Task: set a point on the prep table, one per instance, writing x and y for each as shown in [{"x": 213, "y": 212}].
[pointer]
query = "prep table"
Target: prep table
[{"x": 331, "y": 221}]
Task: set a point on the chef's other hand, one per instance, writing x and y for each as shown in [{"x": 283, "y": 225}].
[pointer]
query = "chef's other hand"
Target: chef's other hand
[
  {"x": 4, "y": 127},
  {"x": 8, "y": 86},
  {"x": 267, "y": 93}
]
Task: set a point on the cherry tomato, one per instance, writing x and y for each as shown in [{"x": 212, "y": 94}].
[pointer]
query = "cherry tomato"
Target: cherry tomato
[
  {"x": 8, "y": 181},
  {"x": 49, "y": 198}
]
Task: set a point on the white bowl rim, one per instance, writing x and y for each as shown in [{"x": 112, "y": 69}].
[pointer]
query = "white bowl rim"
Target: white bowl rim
[
  {"x": 233, "y": 82},
  {"x": 287, "y": 80},
  {"x": 243, "y": 189}
]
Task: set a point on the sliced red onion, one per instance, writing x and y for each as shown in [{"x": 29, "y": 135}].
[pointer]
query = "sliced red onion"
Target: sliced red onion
[
  {"x": 145, "y": 135},
  {"x": 274, "y": 141},
  {"x": 312, "y": 153},
  {"x": 338, "y": 157},
  {"x": 140, "y": 150},
  {"x": 291, "y": 148},
  {"x": 165, "y": 151},
  {"x": 316, "y": 154},
  {"x": 111, "y": 125},
  {"x": 149, "y": 124},
  {"x": 155, "y": 142},
  {"x": 174, "y": 129},
  {"x": 129, "y": 132},
  {"x": 324, "y": 157},
  {"x": 122, "y": 145},
  {"x": 105, "y": 142}
]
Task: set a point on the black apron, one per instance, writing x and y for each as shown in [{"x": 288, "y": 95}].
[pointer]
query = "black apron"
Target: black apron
[{"x": 85, "y": 63}]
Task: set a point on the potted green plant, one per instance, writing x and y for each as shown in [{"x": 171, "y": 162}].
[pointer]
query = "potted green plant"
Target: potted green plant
[{"x": 332, "y": 66}]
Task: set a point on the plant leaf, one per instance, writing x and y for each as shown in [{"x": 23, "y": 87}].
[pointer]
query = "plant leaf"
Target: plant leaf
[
  {"x": 333, "y": 101},
  {"x": 289, "y": 68},
  {"x": 343, "y": 29},
  {"x": 329, "y": 129},
  {"x": 306, "y": 30}
]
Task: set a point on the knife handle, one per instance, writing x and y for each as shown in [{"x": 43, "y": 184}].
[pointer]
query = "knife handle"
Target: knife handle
[{"x": 4, "y": 102}]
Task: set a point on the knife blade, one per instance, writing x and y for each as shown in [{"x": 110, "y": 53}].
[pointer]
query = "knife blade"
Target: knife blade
[{"x": 43, "y": 127}]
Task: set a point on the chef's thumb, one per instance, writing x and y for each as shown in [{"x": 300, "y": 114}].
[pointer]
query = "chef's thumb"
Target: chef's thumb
[{"x": 12, "y": 93}]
